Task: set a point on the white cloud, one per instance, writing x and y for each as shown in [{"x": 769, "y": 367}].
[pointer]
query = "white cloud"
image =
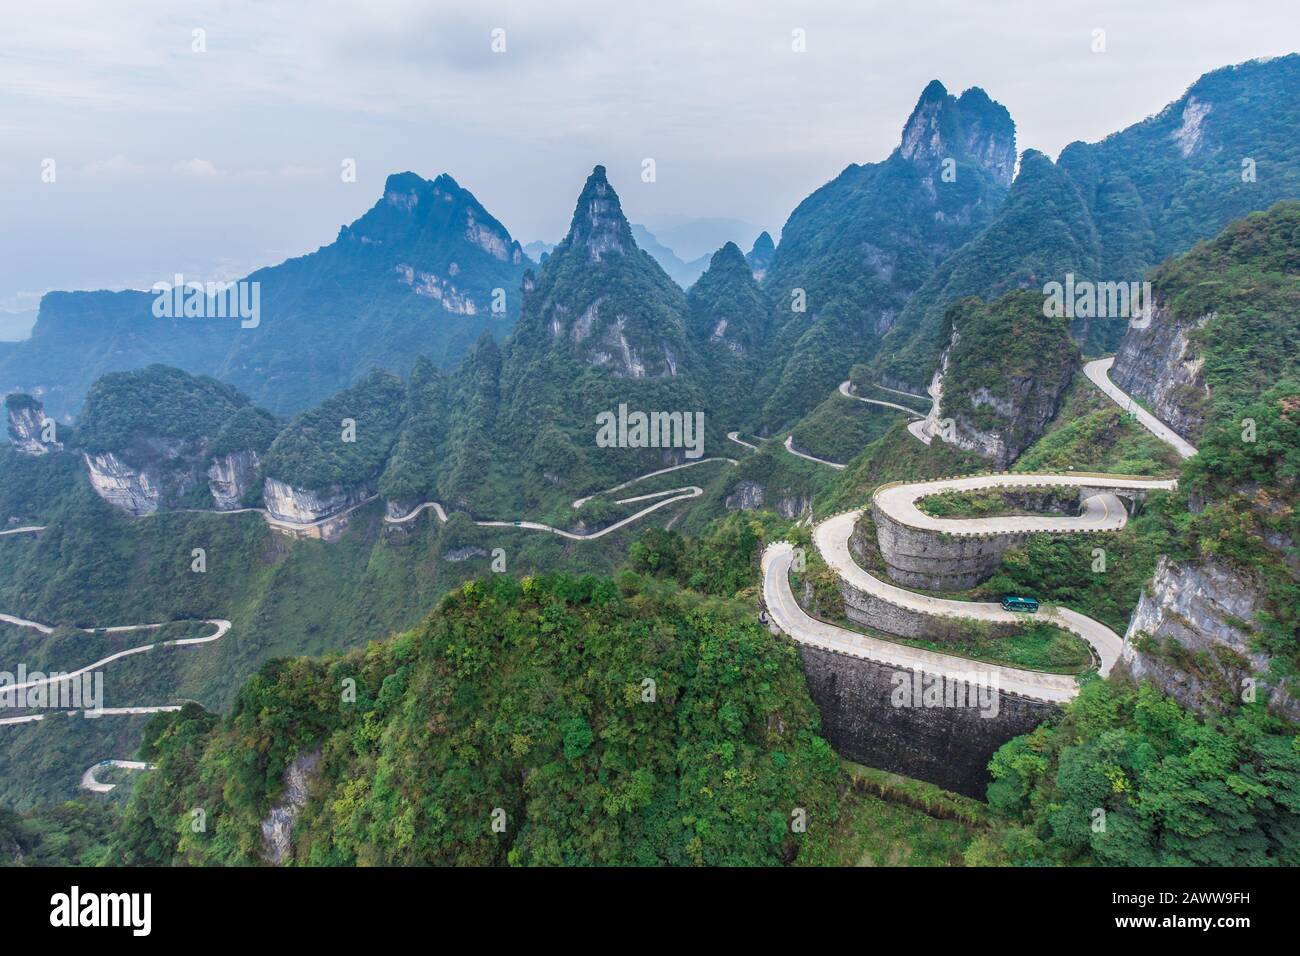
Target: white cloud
[
  {"x": 200, "y": 169},
  {"x": 740, "y": 125}
]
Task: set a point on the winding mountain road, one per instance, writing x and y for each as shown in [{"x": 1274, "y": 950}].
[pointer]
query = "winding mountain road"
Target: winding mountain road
[
  {"x": 579, "y": 502},
  {"x": 899, "y": 391},
  {"x": 220, "y": 625},
  {"x": 29, "y": 529},
  {"x": 88, "y": 781},
  {"x": 1098, "y": 373},
  {"x": 283, "y": 524},
  {"x": 789, "y": 617},
  {"x": 789, "y": 446},
  {"x": 1102, "y": 511},
  {"x": 666, "y": 497},
  {"x": 93, "y": 714},
  {"x": 846, "y": 389}
]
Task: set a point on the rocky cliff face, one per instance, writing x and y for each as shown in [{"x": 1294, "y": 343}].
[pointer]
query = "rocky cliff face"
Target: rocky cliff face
[
  {"x": 169, "y": 471},
  {"x": 1190, "y": 636},
  {"x": 136, "y": 490},
  {"x": 973, "y": 128},
  {"x": 747, "y": 496},
  {"x": 1159, "y": 365},
  {"x": 1004, "y": 374},
  {"x": 277, "y": 828},
  {"x": 304, "y": 506},
  {"x": 231, "y": 477},
  {"x": 1020, "y": 418},
  {"x": 27, "y": 422},
  {"x": 603, "y": 301}
]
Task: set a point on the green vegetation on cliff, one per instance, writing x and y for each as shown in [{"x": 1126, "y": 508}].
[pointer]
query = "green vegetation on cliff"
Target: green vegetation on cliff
[
  {"x": 1248, "y": 475},
  {"x": 75, "y": 833},
  {"x": 345, "y": 440},
  {"x": 1092, "y": 433},
  {"x": 157, "y": 401},
  {"x": 525, "y": 702},
  {"x": 860, "y": 246},
  {"x": 1008, "y": 369},
  {"x": 1245, "y": 283},
  {"x": 727, "y": 318},
  {"x": 1129, "y": 778},
  {"x": 1111, "y": 210}
]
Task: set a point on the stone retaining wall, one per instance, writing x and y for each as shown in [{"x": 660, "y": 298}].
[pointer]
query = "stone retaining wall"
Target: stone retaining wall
[
  {"x": 934, "y": 560},
  {"x": 948, "y": 746},
  {"x": 954, "y": 561}
]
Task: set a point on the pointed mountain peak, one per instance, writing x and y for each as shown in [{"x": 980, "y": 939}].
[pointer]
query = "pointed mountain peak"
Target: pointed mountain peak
[
  {"x": 974, "y": 128},
  {"x": 599, "y": 225},
  {"x": 1034, "y": 163},
  {"x": 729, "y": 257},
  {"x": 726, "y": 307},
  {"x": 934, "y": 92},
  {"x": 760, "y": 257}
]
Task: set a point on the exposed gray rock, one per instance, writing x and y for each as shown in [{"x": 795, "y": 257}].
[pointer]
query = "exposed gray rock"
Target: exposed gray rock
[
  {"x": 1191, "y": 133},
  {"x": 400, "y": 508},
  {"x": 747, "y": 496},
  {"x": 1022, "y": 415},
  {"x": 277, "y": 828},
  {"x": 443, "y": 291},
  {"x": 464, "y": 554},
  {"x": 796, "y": 506},
  {"x": 1191, "y": 636},
  {"x": 304, "y": 506},
  {"x": 138, "y": 491},
  {"x": 490, "y": 240},
  {"x": 153, "y": 474},
  {"x": 1159, "y": 365},
  {"x": 27, "y": 424},
  {"x": 231, "y": 477}
]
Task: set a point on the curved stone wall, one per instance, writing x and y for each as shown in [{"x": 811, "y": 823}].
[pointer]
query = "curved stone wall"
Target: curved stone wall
[
  {"x": 935, "y": 560},
  {"x": 954, "y": 561},
  {"x": 946, "y": 745}
]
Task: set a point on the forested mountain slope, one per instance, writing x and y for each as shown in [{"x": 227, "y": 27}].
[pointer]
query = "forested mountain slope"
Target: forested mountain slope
[
  {"x": 549, "y": 721},
  {"x": 1109, "y": 211},
  {"x": 854, "y": 252},
  {"x": 413, "y": 276}
]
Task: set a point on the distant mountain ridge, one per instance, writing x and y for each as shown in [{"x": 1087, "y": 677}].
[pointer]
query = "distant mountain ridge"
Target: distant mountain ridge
[
  {"x": 681, "y": 272},
  {"x": 855, "y": 251},
  {"x": 1111, "y": 210},
  {"x": 415, "y": 275}
]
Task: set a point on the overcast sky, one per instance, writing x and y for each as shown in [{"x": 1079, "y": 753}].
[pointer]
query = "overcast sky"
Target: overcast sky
[{"x": 213, "y": 163}]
